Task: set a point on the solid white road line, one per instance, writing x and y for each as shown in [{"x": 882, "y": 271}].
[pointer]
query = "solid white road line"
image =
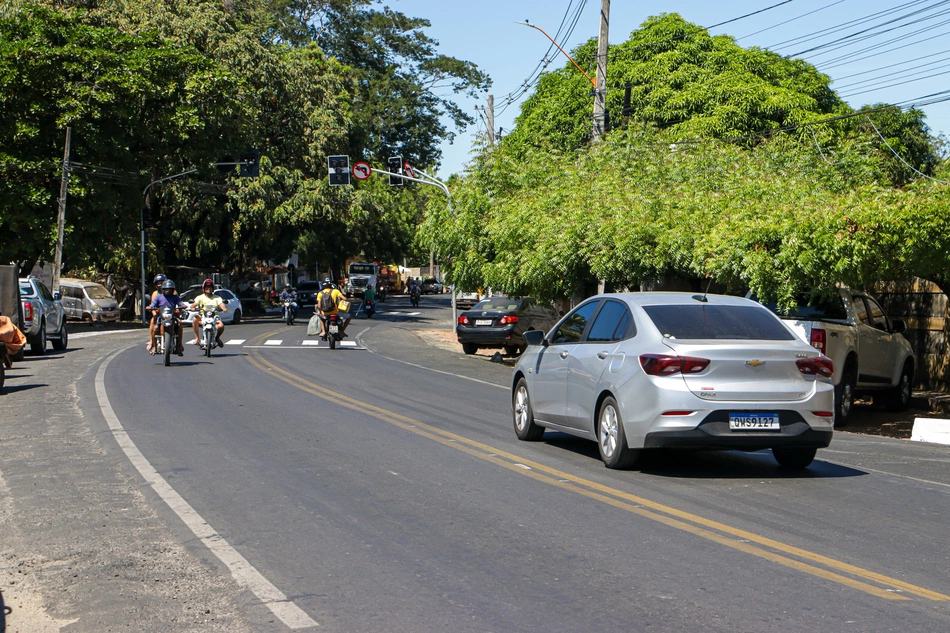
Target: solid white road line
[{"x": 243, "y": 572}]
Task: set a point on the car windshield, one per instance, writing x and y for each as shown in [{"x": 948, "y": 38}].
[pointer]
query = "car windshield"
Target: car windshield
[
  {"x": 817, "y": 308},
  {"x": 729, "y": 322},
  {"x": 362, "y": 269},
  {"x": 97, "y": 292},
  {"x": 504, "y": 305}
]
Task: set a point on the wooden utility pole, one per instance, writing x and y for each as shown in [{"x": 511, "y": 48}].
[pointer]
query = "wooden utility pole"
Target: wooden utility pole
[
  {"x": 61, "y": 222},
  {"x": 490, "y": 115},
  {"x": 600, "y": 86}
]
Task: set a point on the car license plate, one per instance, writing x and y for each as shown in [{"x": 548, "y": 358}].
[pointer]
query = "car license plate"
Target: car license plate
[
  {"x": 754, "y": 422},
  {"x": 482, "y": 321}
]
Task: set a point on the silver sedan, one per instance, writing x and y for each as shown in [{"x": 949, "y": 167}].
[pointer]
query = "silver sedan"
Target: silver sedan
[{"x": 675, "y": 370}]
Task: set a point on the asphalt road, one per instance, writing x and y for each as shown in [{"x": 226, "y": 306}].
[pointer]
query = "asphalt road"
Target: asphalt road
[{"x": 379, "y": 487}]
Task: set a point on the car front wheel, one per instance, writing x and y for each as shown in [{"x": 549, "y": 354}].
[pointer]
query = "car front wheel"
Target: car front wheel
[
  {"x": 611, "y": 439},
  {"x": 898, "y": 399},
  {"x": 525, "y": 428}
]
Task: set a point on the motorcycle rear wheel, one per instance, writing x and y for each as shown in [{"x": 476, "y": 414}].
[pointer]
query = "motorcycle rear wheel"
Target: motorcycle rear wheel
[{"x": 332, "y": 341}]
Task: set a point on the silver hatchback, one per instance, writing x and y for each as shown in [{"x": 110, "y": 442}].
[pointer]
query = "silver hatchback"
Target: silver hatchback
[{"x": 675, "y": 370}]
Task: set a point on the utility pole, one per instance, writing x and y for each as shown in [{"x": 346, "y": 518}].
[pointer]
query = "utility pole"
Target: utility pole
[
  {"x": 600, "y": 87},
  {"x": 490, "y": 112},
  {"x": 61, "y": 222}
]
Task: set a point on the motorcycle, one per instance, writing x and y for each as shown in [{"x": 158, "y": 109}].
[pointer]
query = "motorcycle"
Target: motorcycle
[
  {"x": 209, "y": 336},
  {"x": 167, "y": 340},
  {"x": 414, "y": 296},
  {"x": 369, "y": 309},
  {"x": 334, "y": 330},
  {"x": 289, "y": 312}
]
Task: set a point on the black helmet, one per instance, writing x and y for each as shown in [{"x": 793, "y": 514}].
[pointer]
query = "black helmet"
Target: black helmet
[
  {"x": 327, "y": 283},
  {"x": 159, "y": 278},
  {"x": 168, "y": 284}
]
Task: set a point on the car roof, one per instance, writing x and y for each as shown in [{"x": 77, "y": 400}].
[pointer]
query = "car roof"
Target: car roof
[
  {"x": 677, "y": 298},
  {"x": 79, "y": 282}
]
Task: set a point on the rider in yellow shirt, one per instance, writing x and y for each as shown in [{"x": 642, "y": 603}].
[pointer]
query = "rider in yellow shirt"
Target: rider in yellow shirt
[
  {"x": 208, "y": 298},
  {"x": 325, "y": 310}
]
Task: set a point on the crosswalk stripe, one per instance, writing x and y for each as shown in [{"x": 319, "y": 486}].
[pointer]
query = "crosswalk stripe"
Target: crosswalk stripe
[
  {"x": 272, "y": 342},
  {"x": 235, "y": 341},
  {"x": 413, "y": 314},
  {"x": 313, "y": 343}
]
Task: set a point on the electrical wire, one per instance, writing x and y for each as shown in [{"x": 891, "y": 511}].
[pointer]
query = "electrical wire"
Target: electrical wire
[
  {"x": 914, "y": 169},
  {"x": 798, "y": 17}
]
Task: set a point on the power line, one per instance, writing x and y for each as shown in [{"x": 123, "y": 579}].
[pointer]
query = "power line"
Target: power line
[{"x": 798, "y": 17}]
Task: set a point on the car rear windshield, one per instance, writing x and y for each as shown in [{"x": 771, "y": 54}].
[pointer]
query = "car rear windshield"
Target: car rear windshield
[
  {"x": 504, "y": 305},
  {"x": 819, "y": 308},
  {"x": 717, "y": 322},
  {"x": 26, "y": 289}
]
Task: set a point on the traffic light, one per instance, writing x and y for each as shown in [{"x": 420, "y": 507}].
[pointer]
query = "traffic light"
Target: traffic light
[
  {"x": 252, "y": 163},
  {"x": 395, "y": 166},
  {"x": 339, "y": 168}
]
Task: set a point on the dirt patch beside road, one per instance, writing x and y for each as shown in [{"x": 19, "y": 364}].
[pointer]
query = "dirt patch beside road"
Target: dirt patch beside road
[{"x": 868, "y": 418}]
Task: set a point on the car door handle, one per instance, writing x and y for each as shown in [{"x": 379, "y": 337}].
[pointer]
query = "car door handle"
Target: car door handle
[
  {"x": 564, "y": 354},
  {"x": 602, "y": 355}
]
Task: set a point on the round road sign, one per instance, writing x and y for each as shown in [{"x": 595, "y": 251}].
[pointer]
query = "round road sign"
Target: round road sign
[{"x": 362, "y": 170}]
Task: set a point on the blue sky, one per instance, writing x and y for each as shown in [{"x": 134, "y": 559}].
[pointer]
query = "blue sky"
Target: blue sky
[{"x": 484, "y": 32}]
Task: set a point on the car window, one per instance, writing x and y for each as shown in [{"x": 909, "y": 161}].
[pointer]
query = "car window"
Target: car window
[
  {"x": 71, "y": 291},
  {"x": 224, "y": 294},
  {"x": 860, "y": 310},
  {"x": 723, "y": 322},
  {"x": 572, "y": 328},
  {"x": 877, "y": 316},
  {"x": 97, "y": 292},
  {"x": 505, "y": 305},
  {"x": 44, "y": 291},
  {"x": 608, "y": 321}
]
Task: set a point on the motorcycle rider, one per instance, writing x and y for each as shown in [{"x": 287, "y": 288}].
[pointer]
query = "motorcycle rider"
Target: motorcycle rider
[
  {"x": 289, "y": 294},
  {"x": 369, "y": 299},
  {"x": 168, "y": 298},
  {"x": 208, "y": 298},
  {"x": 153, "y": 322},
  {"x": 336, "y": 297}
]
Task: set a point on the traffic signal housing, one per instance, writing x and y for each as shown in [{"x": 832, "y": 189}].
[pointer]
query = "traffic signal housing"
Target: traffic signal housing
[
  {"x": 252, "y": 164},
  {"x": 339, "y": 168},
  {"x": 395, "y": 166}
]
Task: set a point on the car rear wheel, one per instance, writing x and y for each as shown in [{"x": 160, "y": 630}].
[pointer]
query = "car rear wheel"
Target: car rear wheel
[
  {"x": 512, "y": 350},
  {"x": 611, "y": 439},
  {"x": 469, "y": 348},
  {"x": 237, "y": 318},
  {"x": 794, "y": 457},
  {"x": 844, "y": 398},
  {"x": 525, "y": 428},
  {"x": 60, "y": 344},
  {"x": 898, "y": 398},
  {"x": 38, "y": 344}
]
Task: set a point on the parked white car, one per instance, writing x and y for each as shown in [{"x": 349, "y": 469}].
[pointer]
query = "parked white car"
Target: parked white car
[
  {"x": 232, "y": 316},
  {"x": 868, "y": 348}
]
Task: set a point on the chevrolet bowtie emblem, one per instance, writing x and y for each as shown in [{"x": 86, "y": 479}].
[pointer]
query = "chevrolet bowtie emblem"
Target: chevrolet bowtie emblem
[{"x": 755, "y": 363}]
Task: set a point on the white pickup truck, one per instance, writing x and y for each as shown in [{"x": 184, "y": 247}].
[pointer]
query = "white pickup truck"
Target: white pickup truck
[{"x": 870, "y": 353}]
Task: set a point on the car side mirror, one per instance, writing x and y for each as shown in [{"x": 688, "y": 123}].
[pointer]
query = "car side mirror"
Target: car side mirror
[
  {"x": 226, "y": 301},
  {"x": 57, "y": 296},
  {"x": 535, "y": 337},
  {"x": 898, "y": 326}
]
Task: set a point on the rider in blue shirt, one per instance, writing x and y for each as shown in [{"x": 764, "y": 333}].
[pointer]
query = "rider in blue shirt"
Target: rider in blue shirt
[{"x": 168, "y": 298}]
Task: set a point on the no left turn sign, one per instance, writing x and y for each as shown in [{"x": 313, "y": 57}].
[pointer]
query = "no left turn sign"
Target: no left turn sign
[{"x": 362, "y": 170}]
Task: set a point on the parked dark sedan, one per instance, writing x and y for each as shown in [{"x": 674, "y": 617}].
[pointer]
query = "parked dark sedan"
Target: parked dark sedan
[
  {"x": 502, "y": 322},
  {"x": 307, "y": 292}
]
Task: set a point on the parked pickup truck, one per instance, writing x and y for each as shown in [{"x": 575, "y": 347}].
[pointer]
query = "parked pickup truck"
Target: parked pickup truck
[
  {"x": 43, "y": 316},
  {"x": 870, "y": 353}
]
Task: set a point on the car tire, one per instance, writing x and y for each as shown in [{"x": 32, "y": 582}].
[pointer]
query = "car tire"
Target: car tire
[
  {"x": 844, "y": 398},
  {"x": 237, "y": 318},
  {"x": 611, "y": 439},
  {"x": 512, "y": 350},
  {"x": 898, "y": 398},
  {"x": 525, "y": 428},
  {"x": 60, "y": 344},
  {"x": 794, "y": 457},
  {"x": 469, "y": 348},
  {"x": 38, "y": 344}
]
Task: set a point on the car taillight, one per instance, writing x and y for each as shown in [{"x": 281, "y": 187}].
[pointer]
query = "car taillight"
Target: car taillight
[
  {"x": 662, "y": 365},
  {"x": 27, "y": 311},
  {"x": 463, "y": 320},
  {"x": 505, "y": 320},
  {"x": 818, "y": 366},
  {"x": 818, "y": 339}
]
